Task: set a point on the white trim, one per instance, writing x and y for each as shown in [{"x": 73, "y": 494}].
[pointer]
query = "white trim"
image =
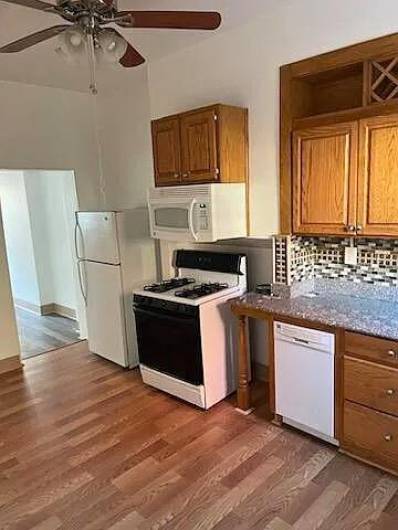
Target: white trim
[
  {"x": 311, "y": 431},
  {"x": 186, "y": 391}
]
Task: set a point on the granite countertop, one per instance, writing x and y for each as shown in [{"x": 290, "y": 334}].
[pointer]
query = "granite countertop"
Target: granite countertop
[{"x": 367, "y": 315}]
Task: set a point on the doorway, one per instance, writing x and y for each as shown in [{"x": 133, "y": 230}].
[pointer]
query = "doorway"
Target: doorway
[{"x": 38, "y": 209}]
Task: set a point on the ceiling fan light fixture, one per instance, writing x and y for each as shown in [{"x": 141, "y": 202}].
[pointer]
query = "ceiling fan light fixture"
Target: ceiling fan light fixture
[
  {"x": 71, "y": 46},
  {"x": 112, "y": 47}
]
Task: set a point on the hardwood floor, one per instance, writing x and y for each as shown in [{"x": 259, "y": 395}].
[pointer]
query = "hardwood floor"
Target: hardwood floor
[
  {"x": 39, "y": 334},
  {"x": 85, "y": 445}
]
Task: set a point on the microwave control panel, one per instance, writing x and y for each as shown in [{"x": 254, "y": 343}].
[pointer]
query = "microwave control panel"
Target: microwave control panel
[{"x": 203, "y": 217}]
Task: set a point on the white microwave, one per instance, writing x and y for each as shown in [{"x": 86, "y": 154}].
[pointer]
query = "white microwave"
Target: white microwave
[{"x": 199, "y": 213}]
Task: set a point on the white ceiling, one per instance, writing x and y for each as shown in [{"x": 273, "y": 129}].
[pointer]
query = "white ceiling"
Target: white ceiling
[{"x": 40, "y": 65}]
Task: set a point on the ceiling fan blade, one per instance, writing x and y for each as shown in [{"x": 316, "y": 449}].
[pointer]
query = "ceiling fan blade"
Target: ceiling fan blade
[
  {"x": 207, "y": 20},
  {"x": 34, "y": 4},
  {"x": 131, "y": 58},
  {"x": 40, "y": 36}
]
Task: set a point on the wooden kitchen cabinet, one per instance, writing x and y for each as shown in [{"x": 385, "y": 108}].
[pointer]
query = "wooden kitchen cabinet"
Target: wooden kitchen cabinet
[
  {"x": 324, "y": 179},
  {"x": 166, "y": 151},
  {"x": 378, "y": 176},
  {"x": 345, "y": 178},
  {"x": 370, "y": 404},
  {"x": 358, "y": 83},
  {"x": 200, "y": 146}
]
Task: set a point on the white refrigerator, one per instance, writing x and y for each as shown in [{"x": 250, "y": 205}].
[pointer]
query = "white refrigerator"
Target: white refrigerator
[{"x": 115, "y": 254}]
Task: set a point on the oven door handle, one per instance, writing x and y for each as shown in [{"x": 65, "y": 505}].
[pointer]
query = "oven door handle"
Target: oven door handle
[
  {"x": 191, "y": 219},
  {"x": 159, "y": 314}
]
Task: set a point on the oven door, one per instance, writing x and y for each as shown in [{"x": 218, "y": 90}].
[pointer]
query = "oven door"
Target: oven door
[
  {"x": 174, "y": 221},
  {"x": 170, "y": 343}
]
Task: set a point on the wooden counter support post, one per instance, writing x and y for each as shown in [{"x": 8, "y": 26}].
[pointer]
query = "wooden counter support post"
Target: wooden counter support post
[{"x": 244, "y": 401}]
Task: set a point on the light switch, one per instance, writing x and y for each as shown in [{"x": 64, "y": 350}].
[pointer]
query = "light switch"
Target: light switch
[{"x": 351, "y": 255}]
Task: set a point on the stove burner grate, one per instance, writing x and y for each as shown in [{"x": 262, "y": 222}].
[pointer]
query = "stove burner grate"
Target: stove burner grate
[
  {"x": 168, "y": 285},
  {"x": 203, "y": 289}
]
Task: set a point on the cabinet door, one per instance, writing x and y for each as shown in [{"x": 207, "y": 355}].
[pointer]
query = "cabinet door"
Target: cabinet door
[
  {"x": 199, "y": 147},
  {"x": 378, "y": 176},
  {"x": 166, "y": 151},
  {"x": 324, "y": 179}
]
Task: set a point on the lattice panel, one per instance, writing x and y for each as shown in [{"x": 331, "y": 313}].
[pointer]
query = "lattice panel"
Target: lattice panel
[{"x": 383, "y": 80}]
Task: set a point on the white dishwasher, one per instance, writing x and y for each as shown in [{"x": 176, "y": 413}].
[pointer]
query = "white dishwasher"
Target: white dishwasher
[{"x": 304, "y": 379}]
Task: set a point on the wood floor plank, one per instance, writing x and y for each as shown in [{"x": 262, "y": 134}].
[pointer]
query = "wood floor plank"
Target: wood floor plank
[
  {"x": 201, "y": 520},
  {"x": 85, "y": 445},
  {"x": 323, "y": 506},
  {"x": 369, "y": 512},
  {"x": 39, "y": 334},
  {"x": 52, "y": 523},
  {"x": 273, "y": 500}
]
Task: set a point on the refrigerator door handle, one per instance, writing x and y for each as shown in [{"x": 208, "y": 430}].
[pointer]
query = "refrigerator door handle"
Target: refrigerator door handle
[
  {"x": 76, "y": 245},
  {"x": 76, "y": 238},
  {"x": 80, "y": 265}
]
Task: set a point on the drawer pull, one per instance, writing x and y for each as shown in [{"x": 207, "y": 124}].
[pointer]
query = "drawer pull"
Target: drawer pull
[
  {"x": 388, "y": 437},
  {"x": 390, "y": 392},
  {"x": 392, "y": 353}
]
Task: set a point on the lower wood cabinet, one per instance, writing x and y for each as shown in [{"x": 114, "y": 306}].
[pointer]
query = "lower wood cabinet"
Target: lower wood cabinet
[
  {"x": 370, "y": 405},
  {"x": 371, "y": 385},
  {"x": 371, "y": 435}
]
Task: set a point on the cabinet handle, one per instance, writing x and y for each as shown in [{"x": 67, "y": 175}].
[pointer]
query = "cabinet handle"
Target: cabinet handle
[
  {"x": 359, "y": 228},
  {"x": 185, "y": 175},
  {"x": 350, "y": 228},
  {"x": 390, "y": 392},
  {"x": 388, "y": 437},
  {"x": 176, "y": 175},
  {"x": 392, "y": 353}
]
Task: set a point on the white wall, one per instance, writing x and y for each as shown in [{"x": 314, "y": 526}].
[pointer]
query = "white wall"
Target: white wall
[
  {"x": 240, "y": 67},
  {"x": 48, "y": 194},
  {"x": 18, "y": 236},
  {"x": 123, "y": 121},
  {"x": 48, "y": 128},
  {"x": 9, "y": 343}
]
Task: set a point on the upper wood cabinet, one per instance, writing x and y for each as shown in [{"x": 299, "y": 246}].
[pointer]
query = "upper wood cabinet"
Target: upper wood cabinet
[
  {"x": 324, "y": 179},
  {"x": 378, "y": 176},
  {"x": 166, "y": 151},
  {"x": 199, "y": 161},
  {"x": 354, "y": 83},
  {"x": 345, "y": 178},
  {"x": 203, "y": 145}
]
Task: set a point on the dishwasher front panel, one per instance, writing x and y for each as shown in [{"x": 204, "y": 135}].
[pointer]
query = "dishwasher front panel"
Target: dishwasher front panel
[{"x": 304, "y": 381}]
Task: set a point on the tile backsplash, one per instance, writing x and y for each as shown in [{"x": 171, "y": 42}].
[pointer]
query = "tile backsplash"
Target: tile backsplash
[{"x": 299, "y": 258}]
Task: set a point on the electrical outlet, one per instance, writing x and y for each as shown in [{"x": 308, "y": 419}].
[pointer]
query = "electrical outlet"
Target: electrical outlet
[{"x": 351, "y": 255}]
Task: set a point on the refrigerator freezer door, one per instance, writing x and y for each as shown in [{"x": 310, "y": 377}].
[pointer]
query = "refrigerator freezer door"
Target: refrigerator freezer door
[
  {"x": 96, "y": 237},
  {"x": 105, "y": 312}
]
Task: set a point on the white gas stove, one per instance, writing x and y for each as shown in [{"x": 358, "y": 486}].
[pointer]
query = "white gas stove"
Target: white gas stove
[{"x": 185, "y": 330}]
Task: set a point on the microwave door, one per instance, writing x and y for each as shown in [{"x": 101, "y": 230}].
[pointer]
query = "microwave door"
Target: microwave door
[{"x": 173, "y": 221}]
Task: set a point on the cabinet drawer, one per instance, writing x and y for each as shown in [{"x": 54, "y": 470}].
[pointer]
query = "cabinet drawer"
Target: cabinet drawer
[
  {"x": 371, "y": 435},
  {"x": 372, "y": 348},
  {"x": 371, "y": 384}
]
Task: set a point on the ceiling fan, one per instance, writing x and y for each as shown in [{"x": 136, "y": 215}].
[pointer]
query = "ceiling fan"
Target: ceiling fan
[{"x": 88, "y": 21}]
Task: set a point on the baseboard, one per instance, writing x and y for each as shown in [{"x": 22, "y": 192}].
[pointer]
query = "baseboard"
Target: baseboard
[
  {"x": 260, "y": 372},
  {"x": 58, "y": 309},
  {"x": 46, "y": 309},
  {"x": 10, "y": 364}
]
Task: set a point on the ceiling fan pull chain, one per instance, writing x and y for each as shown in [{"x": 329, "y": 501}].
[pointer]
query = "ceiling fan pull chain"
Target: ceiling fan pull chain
[{"x": 91, "y": 63}]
